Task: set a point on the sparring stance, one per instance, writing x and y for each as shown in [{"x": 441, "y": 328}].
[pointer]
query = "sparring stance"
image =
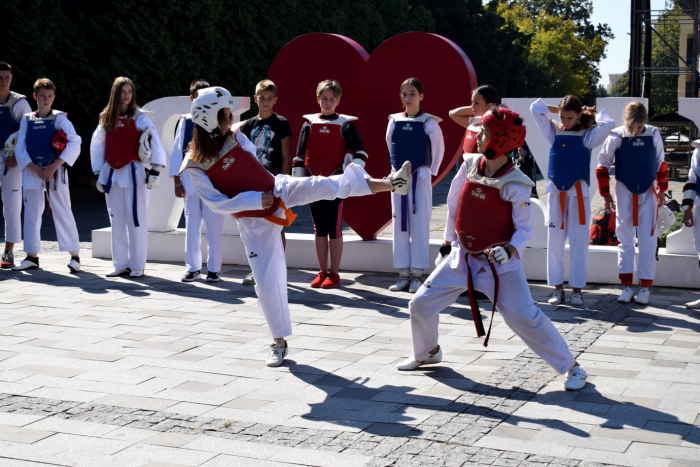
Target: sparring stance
[
  {"x": 227, "y": 176},
  {"x": 637, "y": 151},
  {"x": 568, "y": 177},
  {"x": 691, "y": 207},
  {"x": 12, "y": 107},
  {"x": 46, "y": 143},
  {"x": 270, "y": 133},
  {"x": 487, "y": 230},
  {"x": 196, "y": 211},
  {"x": 413, "y": 136},
  {"x": 483, "y": 98},
  {"x": 127, "y": 157},
  {"x": 328, "y": 143}
]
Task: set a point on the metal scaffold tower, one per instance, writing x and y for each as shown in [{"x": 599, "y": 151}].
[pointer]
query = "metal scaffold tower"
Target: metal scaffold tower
[{"x": 646, "y": 23}]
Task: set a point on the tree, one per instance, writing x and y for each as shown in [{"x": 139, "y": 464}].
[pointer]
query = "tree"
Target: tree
[
  {"x": 563, "y": 47},
  {"x": 621, "y": 87}
]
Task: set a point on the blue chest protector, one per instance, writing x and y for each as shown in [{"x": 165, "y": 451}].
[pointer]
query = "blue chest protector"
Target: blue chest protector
[
  {"x": 569, "y": 160},
  {"x": 40, "y": 133},
  {"x": 187, "y": 136},
  {"x": 409, "y": 142},
  {"x": 635, "y": 163},
  {"x": 8, "y": 124}
]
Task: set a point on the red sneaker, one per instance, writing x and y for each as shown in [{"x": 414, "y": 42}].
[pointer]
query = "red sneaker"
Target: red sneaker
[
  {"x": 332, "y": 281},
  {"x": 318, "y": 280}
]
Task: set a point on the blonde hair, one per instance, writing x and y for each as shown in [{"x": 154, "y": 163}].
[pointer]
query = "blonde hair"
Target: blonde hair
[
  {"x": 110, "y": 115},
  {"x": 44, "y": 83},
  {"x": 634, "y": 112},
  {"x": 329, "y": 85},
  {"x": 266, "y": 85}
]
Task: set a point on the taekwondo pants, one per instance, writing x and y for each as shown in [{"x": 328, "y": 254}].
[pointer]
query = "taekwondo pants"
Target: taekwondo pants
[
  {"x": 646, "y": 232},
  {"x": 197, "y": 212},
  {"x": 578, "y": 240},
  {"x": 129, "y": 243},
  {"x": 11, "y": 186},
  {"x": 515, "y": 305},
  {"x": 263, "y": 242},
  {"x": 411, "y": 246},
  {"x": 59, "y": 201}
]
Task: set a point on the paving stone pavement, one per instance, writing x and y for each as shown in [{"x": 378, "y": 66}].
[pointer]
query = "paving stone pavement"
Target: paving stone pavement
[{"x": 153, "y": 373}]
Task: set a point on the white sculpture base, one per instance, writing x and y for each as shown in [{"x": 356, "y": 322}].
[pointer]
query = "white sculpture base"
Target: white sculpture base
[{"x": 672, "y": 270}]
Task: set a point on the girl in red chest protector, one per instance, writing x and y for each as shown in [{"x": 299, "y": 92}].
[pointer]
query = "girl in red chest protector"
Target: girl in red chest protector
[
  {"x": 228, "y": 177},
  {"x": 127, "y": 157},
  {"x": 487, "y": 229},
  {"x": 483, "y": 98}
]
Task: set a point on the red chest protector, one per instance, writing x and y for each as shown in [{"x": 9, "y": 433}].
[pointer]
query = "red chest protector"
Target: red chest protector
[
  {"x": 122, "y": 144},
  {"x": 239, "y": 171},
  {"x": 325, "y": 147},
  {"x": 484, "y": 218},
  {"x": 469, "y": 142}
]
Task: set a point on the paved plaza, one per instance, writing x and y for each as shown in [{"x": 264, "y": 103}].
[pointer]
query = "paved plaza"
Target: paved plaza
[{"x": 155, "y": 373}]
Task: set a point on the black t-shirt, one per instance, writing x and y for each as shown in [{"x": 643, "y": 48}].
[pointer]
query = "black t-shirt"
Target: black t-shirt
[{"x": 267, "y": 136}]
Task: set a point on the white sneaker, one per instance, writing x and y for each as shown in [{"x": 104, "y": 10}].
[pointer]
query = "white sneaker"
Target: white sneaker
[
  {"x": 249, "y": 279},
  {"x": 27, "y": 263},
  {"x": 277, "y": 354},
  {"x": 693, "y": 305},
  {"x": 415, "y": 285},
  {"x": 401, "y": 284},
  {"x": 643, "y": 296},
  {"x": 413, "y": 364},
  {"x": 557, "y": 297},
  {"x": 399, "y": 179},
  {"x": 575, "y": 378},
  {"x": 118, "y": 272},
  {"x": 74, "y": 266},
  {"x": 136, "y": 273},
  {"x": 577, "y": 299},
  {"x": 626, "y": 295}
]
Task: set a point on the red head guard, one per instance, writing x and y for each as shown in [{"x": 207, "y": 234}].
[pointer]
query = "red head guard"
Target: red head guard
[{"x": 507, "y": 132}]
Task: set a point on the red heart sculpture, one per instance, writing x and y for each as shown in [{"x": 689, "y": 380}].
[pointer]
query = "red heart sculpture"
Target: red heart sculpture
[{"x": 371, "y": 88}]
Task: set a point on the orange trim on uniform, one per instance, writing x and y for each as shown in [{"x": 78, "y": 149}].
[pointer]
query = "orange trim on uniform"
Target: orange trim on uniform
[
  {"x": 562, "y": 204},
  {"x": 288, "y": 214},
  {"x": 581, "y": 209}
]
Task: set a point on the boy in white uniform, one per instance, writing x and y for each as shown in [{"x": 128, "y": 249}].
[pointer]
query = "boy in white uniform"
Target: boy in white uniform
[
  {"x": 196, "y": 211},
  {"x": 228, "y": 177},
  {"x": 127, "y": 156},
  {"x": 691, "y": 207},
  {"x": 487, "y": 230},
  {"x": 12, "y": 107},
  {"x": 45, "y": 143}
]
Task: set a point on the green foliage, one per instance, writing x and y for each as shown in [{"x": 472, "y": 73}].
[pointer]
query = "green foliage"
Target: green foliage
[
  {"x": 563, "y": 46},
  {"x": 163, "y": 44},
  {"x": 676, "y": 226},
  {"x": 621, "y": 88}
]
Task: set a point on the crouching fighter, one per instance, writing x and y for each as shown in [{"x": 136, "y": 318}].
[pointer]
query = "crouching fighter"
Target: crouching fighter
[
  {"x": 228, "y": 177},
  {"x": 487, "y": 230}
]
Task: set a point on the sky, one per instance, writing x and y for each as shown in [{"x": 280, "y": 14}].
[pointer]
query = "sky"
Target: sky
[{"x": 616, "y": 13}]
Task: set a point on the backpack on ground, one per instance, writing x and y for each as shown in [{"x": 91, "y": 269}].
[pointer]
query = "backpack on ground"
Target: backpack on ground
[{"x": 603, "y": 229}]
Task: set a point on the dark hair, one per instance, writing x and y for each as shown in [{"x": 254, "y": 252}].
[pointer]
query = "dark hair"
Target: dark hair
[
  {"x": 204, "y": 147},
  {"x": 415, "y": 82},
  {"x": 489, "y": 94},
  {"x": 44, "y": 83},
  {"x": 4, "y": 66},
  {"x": 573, "y": 104},
  {"x": 198, "y": 84}
]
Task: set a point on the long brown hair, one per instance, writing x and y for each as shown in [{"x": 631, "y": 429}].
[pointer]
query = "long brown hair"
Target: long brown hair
[
  {"x": 572, "y": 103},
  {"x": 205, "y": 147},
  {"x": 110, "y": 115}
]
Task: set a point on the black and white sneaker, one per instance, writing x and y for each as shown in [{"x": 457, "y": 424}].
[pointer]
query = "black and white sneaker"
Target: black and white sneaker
[
  {"x": 74, "y": 264},
  {"x": 190, "y": 276},
  {"x": 399, "y": 179},
  {"x": 30, "y": 262},
  {"x": 213, "y": 277},
  {"x": 8, "y": 260}
]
